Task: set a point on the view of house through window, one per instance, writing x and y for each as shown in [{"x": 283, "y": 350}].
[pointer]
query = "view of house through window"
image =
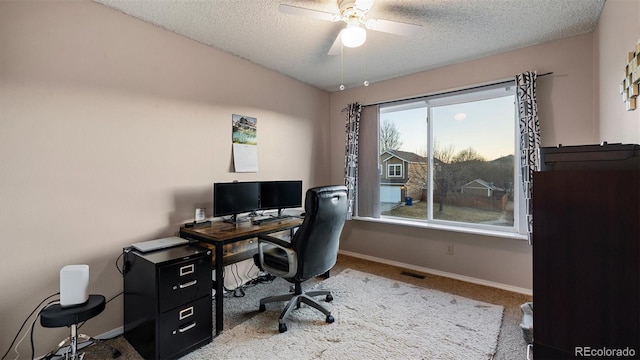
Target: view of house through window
[{"x": 450, "y": 159}]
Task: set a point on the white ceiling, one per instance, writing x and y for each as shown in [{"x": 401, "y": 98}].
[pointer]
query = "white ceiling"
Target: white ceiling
[{"x": 453, "y": 31}]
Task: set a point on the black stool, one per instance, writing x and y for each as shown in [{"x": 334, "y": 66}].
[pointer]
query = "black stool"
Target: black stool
[{"x": 57, "y": 316}]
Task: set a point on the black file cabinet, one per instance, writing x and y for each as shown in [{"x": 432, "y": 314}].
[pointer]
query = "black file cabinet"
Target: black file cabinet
[{"x": 167, "y": 301}]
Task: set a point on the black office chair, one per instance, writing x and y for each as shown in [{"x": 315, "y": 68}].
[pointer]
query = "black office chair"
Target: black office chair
[{"x": 313, "y": 250}]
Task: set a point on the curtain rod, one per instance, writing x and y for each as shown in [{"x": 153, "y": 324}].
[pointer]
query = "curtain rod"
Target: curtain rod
[{"x": 504, "y": 82}]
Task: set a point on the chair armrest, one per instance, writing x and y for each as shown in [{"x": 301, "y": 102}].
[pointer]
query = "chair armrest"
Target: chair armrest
[
  {"x": 284, "y": 245},
  {"x": 292, "y": 258}
]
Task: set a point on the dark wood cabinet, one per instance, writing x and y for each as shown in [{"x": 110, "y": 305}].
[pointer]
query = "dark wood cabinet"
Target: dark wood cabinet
[
  {"x": 167, "y": 301},
  {"x": 586, "y": 264}
]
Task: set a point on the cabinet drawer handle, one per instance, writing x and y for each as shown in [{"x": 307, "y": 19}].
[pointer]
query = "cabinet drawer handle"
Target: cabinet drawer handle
[
  {"x": 187, "y": 328},
  {"x": 186, "y": 313},
  {"x": 187, "y": 269},
  {"x": 186, "y": 285}
]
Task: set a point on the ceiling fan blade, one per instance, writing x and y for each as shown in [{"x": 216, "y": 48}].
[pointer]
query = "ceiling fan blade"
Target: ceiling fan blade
[
  {"x": 393, "y": 27},
  {"x": 363, "y": 5},
  {"x": 288, "y": 9},
  {"x": 336, "y": 47}
]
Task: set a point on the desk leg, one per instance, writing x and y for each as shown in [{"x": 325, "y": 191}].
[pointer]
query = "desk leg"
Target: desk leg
[{"x": 219, "y": 289}]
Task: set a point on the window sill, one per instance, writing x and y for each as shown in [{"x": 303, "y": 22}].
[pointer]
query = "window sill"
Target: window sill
[{"x": 443, "y": 227}]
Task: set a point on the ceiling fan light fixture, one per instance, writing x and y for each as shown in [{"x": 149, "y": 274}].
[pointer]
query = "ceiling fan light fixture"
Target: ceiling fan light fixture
[{"x": 353, "y": 35}]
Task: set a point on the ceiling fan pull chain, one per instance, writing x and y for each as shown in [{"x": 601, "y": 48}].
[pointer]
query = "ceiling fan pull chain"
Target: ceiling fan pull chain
[
  {"x": 341, "y": 67},
  {"x": 366, "y": 62}
]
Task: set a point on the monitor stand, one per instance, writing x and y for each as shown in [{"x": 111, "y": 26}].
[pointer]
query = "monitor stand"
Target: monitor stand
[{"x": 234, "y": 219}]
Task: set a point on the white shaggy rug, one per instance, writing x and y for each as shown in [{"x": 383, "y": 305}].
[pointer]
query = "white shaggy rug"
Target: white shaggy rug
[{"x": 375, "y": 318}]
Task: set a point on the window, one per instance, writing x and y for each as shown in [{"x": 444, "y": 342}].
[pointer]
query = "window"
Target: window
[
  {"x": 459, "y": 149},
  {"x": 394, "y": 170}
]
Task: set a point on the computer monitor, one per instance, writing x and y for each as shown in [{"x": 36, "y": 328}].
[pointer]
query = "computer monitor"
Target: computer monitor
[
  {"x": 233, "y": 198},
  {"x": 280, "y": 195}
]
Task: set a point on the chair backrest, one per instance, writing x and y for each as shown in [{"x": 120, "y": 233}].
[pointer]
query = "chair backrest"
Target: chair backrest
[{"x": 316, "y": 241}]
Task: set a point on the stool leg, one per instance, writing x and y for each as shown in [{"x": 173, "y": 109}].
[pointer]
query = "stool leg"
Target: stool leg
[
  {"x": 74, "y": 341},
  {"x": 71, "y": 343}
]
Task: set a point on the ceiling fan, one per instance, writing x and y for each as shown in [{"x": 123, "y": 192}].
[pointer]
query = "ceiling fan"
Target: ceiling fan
[{"x": 353, "y": 13}]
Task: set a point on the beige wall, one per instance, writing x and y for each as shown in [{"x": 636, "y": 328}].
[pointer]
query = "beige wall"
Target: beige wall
[
  {"x": 112, "y": 131},
  {"x": 617, "y": 34}
]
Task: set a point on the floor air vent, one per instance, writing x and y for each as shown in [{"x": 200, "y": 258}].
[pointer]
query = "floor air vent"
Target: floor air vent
[{"x": 417, "y": 276}]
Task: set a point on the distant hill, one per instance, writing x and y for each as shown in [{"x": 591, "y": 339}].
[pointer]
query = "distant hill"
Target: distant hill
[{"x": 505, "y": 159}]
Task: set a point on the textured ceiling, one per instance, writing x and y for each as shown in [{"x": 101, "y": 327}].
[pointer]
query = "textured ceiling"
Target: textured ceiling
[{"x": 453, "y": 31}]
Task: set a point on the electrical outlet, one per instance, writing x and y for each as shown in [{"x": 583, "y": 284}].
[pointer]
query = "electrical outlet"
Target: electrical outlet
[{"x": 450, "y": 249}]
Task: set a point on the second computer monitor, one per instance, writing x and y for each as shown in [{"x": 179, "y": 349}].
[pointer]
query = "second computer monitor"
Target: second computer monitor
[{"x": 280, "y": 194}]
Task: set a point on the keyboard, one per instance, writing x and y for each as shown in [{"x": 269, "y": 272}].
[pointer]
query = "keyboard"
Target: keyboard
[{"x": 270, "y": 219}]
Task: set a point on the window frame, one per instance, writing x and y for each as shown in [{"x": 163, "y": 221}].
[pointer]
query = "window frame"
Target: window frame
[
  {"x": 518, "y": 230},
  {"x": 400, "y": 166}
]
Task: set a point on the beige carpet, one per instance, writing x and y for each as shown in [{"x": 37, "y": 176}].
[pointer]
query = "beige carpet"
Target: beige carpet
[
  {"x": 376, "y": 318},
  {"x": 511, "y": 344}
]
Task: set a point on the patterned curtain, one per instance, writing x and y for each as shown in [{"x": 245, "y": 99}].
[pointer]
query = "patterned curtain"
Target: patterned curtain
[
  {"x": 529, "y": 139},
  {"x": 351, "y": 154}
]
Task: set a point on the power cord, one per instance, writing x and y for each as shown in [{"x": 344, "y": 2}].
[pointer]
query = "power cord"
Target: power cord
[
  {"x": 263, "y": 279},
  {"x": 24, "y": 323},
  {"x": 125, "y": 264},
  {"x": 105, "y": 304},
  {"x": 239, "y": 291}
]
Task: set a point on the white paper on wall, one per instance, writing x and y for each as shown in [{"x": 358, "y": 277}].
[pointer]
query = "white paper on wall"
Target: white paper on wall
[{"x": 245, "y": 143}]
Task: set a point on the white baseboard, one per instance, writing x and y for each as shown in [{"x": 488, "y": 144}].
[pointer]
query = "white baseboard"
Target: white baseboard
[
  {"x": 111, "y": 333},
  {"x": 468, "y": 279}
]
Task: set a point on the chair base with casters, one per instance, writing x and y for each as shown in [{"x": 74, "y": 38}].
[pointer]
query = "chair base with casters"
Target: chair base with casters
[
  {"x": 295, "y": 299},
  {"x": 58, "y": 316}
]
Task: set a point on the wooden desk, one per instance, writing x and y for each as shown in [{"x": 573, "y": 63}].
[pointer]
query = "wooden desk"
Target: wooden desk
[{"x": 219, "y": 234}]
